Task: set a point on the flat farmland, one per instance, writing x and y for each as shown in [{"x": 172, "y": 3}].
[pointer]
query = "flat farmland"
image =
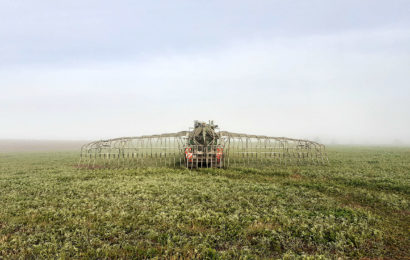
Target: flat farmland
[{"x": 355, "y": 207}]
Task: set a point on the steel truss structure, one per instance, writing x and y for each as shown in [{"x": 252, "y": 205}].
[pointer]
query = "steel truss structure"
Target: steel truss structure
[{"x": 173, "y": 150}]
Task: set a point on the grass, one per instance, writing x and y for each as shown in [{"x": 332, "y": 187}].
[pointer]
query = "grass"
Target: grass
[{"x": 356, "y": 207}]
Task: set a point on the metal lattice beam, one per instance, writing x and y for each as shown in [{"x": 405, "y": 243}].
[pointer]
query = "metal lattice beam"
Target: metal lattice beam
[{"x": 170, "y": 150}]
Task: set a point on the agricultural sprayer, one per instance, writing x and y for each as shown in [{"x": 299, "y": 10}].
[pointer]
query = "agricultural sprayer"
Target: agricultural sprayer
[{"x": 201, "y": 146}]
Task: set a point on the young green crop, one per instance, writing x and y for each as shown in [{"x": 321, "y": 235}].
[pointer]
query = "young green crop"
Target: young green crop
[{"x": 358, "y": 206}]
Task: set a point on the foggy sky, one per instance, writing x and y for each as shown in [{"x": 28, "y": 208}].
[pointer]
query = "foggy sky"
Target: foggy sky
[{"x": 333, "y": 71}]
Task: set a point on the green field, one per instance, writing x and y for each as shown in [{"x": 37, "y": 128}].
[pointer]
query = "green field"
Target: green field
[{"x": 358, "y": 206}]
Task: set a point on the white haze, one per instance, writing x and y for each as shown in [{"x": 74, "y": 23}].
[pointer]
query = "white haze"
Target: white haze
[{"x": 346, "y": 87}]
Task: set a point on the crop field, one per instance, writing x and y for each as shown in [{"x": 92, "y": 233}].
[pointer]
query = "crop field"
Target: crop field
[{"x": 356, "y": 207}]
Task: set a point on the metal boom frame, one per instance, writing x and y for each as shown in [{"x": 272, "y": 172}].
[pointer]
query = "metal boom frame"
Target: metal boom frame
[{"x": 169, "y": 150}]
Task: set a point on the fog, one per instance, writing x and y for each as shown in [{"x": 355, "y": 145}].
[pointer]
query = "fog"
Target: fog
[{"x": 309, "y": 74}]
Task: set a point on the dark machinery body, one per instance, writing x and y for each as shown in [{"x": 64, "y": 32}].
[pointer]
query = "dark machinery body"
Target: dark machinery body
[{"x": 204, "y": 149}]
